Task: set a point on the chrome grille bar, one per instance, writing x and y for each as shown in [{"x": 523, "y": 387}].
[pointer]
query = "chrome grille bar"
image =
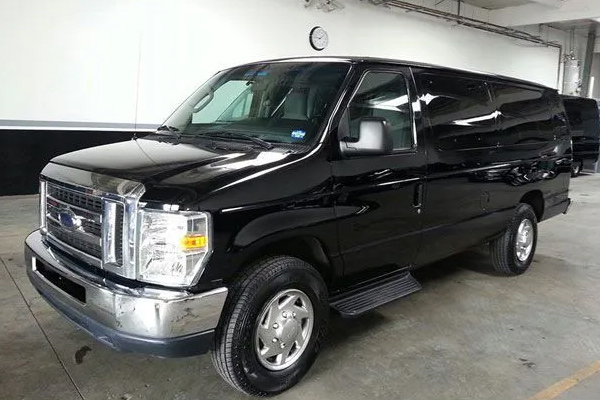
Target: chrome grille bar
[
  {"x": 79, "y": 235},
  {"x": 96, "y": 262},
  {"x": 74, "y": 198},
  {"x": 109, "y": 231},
  {"x": 95, "y": 216}
]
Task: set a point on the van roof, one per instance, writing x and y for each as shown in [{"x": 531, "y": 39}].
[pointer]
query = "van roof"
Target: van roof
[{"x": 389, "y": 61}]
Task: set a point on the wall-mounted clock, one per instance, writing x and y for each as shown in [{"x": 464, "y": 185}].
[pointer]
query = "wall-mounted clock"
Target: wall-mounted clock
[{"x": 318, "y": 38}]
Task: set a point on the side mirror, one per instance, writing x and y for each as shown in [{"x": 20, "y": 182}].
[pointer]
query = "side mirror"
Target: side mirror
[{"x": 374, "y": 139}]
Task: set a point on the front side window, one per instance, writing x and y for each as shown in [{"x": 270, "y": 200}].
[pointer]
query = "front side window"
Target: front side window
[
  {"x": 383, "y": 95},
  {"x": 282, "y": 102}
]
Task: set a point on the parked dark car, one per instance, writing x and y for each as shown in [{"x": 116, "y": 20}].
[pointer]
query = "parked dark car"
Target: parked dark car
[
  {"x": 584, "y": 120},
  {"x": 282, "y": 189}
]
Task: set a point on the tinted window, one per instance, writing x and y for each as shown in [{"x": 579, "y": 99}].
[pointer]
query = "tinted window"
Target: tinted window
[
  {"x": 524, "y": 114},
  {"x": 582, "y": 115},
  {"x": 460, "y": 111},
  {"x": 384, "y": 95}
]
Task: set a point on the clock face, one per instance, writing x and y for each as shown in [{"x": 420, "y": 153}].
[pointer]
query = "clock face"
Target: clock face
[{"x": 319, "y": 38}]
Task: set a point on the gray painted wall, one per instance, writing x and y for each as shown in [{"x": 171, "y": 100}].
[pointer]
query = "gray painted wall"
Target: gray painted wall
[{"x": 596, "y": 74}]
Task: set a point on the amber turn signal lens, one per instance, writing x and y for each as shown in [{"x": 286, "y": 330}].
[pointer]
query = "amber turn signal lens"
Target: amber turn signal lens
[{"x": 193, "y": 242}]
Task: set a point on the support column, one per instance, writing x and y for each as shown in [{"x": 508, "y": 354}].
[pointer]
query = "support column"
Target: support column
[{"x": 587, "y": 62}]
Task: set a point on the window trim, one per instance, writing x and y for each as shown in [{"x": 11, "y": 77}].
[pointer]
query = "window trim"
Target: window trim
[{"x": 415, "y": 145}]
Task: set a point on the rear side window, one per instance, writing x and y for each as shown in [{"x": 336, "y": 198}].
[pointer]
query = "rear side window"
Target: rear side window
[
  {"x": 583, "y": 116},
  {"x": 524, "y": 114},
  {"x": 460, "y": 111},
  {"x": 383, "y": 95}
]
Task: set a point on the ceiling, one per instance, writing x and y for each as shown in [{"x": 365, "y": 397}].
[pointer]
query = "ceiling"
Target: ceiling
[
  {"x": 578, "y": 15},
  {"x": 497, "y": 4},
  {"x": 581, "y": 26}
]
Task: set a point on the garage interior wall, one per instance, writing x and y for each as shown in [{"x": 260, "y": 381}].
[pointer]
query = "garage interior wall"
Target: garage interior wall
[
  {"x": 104, "y": 68},
  {"x": 576, "y": 43}
]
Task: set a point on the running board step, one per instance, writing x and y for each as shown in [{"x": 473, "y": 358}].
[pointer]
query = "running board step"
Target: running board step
[{"x": 375, "y": 293}]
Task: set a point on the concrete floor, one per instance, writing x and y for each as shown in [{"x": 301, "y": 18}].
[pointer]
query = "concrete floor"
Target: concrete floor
[{"x": 467, "y": 335}]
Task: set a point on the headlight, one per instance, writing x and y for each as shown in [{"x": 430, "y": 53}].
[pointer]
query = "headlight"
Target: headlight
[{"x": 173, "y": 246}]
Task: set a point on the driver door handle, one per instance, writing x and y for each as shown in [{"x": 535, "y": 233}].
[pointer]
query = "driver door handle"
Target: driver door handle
[{"x": 418, "y": 195}]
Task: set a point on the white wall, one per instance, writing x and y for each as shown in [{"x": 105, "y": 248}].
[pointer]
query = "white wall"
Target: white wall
[
  {"x": 127, "y": 61},
  {"x": 578, "y": 44}
]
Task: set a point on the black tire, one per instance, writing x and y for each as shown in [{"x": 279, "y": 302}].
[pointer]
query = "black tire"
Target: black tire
[
  {"x": 503, "y": 250},
  {"x": 233, "y": 352},
  {"x": 576, "y": 168}
]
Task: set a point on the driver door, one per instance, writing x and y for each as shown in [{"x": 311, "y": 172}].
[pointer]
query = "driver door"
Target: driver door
[{"x": 379, "y": 198}]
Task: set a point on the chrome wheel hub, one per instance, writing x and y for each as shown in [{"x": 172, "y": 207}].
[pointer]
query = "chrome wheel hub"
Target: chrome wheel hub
[
  {"x": 283, "y": 329},
  {"x": 524, "y": 242}
]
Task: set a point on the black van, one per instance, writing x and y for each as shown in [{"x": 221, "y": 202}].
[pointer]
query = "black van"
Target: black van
[
  {"x": 584, "y": 118},
  {"x": 284, "y": 188}
]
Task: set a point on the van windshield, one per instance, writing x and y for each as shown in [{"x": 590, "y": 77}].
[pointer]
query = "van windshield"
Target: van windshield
[{"x": 281, "y": 102}]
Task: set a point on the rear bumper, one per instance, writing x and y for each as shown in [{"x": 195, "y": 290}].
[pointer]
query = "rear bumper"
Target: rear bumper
[{"x": 163, "y": 323}]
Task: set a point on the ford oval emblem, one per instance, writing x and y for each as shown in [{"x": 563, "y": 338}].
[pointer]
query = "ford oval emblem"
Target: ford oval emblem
[{"x": 68, "y": 219}]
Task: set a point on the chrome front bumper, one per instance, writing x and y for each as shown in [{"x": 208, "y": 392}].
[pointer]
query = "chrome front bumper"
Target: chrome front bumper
[{"x": 167, "y": 323}]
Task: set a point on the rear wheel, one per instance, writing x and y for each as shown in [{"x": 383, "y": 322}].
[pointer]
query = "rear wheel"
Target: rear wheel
[
  {"x": 273, "y": 326},
  {"x": 576, "y": 168},
  {"x": 512, "y": 253}
]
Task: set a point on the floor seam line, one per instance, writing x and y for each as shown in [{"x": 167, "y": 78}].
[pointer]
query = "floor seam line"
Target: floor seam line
[{"x": 43, "y": 331}]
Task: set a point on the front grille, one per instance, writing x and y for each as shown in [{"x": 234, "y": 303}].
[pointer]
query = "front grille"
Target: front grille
[
  {"x": 91, "y": 222},
  {"x": 91, "y": 217},
  {"x": 74, "y": 218}
]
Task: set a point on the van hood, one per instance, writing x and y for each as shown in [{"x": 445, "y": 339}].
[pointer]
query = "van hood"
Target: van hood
[{"x": 187, "y": 166}]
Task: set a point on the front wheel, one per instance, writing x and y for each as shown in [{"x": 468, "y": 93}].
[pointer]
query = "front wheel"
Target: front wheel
[
  {"x": 273, "y": 325},
  {"x": 512, "y": 253}
]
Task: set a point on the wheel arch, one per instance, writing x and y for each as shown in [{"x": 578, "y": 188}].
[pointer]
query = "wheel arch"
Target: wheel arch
[
  {"x": 306, "y": 248},
  {"x": 535, "y": 199}
]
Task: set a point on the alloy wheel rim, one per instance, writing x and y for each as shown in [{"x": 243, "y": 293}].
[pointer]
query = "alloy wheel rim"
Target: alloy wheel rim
[
  {"x": 524, "y": 240},
  {"x": 283, "y": 329}
]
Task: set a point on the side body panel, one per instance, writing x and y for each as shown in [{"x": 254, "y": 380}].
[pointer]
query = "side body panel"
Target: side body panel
[
  {"x": 485, "y": 156},
  {"x": 295, "y": 204},
  {"x": 459, "y": 117}
]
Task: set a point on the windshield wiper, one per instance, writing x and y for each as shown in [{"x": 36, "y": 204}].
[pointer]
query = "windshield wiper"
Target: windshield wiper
[
  {"x": 233, "y": 134},
  {"x": 171, "y": 129}
]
